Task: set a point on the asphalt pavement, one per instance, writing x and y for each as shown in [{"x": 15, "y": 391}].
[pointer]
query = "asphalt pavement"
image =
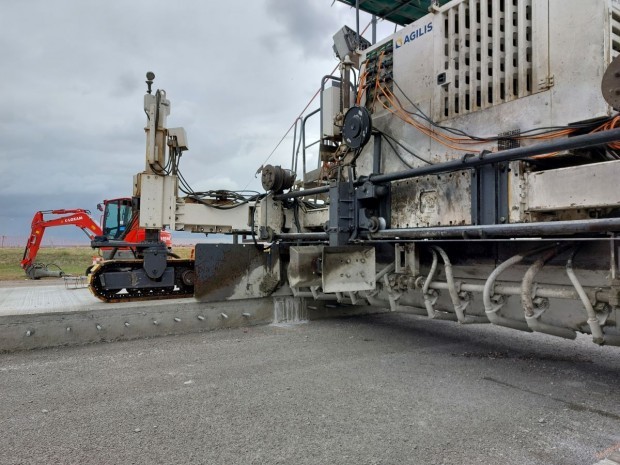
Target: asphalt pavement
[{"x": 381, "y": 389}]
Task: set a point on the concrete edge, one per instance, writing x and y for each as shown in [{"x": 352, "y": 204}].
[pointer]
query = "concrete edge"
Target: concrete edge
[{"x": 44, "y": 330}]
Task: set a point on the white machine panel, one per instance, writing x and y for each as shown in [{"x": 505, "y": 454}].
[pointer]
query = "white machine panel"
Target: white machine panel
[
  {"x": 157, "y": 200},
  {"x": 492, "y": 67},
  {"x": 564, "y": 188}
]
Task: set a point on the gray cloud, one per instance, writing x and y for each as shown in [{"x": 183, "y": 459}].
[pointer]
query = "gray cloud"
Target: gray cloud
[{"x": 71, "y": 122}]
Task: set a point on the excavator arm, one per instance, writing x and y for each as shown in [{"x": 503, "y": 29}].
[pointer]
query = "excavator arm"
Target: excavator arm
[{"x": 77, "y": 217}]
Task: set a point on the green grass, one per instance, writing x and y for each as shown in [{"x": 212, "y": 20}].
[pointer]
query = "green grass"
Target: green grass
[{"x": 72, "y": 260}]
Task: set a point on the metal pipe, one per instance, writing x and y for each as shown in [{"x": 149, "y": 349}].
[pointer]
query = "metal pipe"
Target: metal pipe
[
  {"x": 492, "y": 309},
  {"x": 294, "y": 143},
  {"x": 595, "y": 326},
  {"x": 311, "y": 236},
  {"x": 374, "y": 29},
  {"x": 429, "y": 299},
  {"x": 428, "y": 302},
  {"x": 459, "y": 306},
  {"x": 303, "y": 136},
  {"x": 302, "y": 193},
  {"x": 532, "y": 318},
  {"x": 503, "y": 230},
  {"x": 565, "y": 293},
  {"x": 384, "y": 271},
  {"x": 528, "y": 281},
  {"x": 357, "y": 20},
  {"x": 473, "y": 161}
]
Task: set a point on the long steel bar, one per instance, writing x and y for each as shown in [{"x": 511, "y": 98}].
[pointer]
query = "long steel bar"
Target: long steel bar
[
  {"x": 505, "y": 230},
  {"x": 312, "y": 236},
  {"x": 563, "y": 292},
  {"x": 473, "y": 161}
]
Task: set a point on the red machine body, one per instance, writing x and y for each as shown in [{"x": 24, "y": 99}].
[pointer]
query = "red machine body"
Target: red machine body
[{"x": 117, "y": 223}]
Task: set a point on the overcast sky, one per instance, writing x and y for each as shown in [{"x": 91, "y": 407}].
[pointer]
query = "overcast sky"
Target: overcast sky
[{"x": 72, "y": 84}]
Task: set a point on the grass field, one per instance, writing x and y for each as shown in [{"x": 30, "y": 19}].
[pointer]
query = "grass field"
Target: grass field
[{"x": 72, "y": 260}]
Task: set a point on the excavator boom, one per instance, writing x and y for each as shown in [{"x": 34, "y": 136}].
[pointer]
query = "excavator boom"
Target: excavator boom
[{"x": 76, "y": 217}]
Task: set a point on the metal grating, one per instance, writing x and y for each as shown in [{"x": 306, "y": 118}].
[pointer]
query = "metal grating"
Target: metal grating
[
  {"x": 487, "y": 55},
  {"x": 401, "y": 12}
]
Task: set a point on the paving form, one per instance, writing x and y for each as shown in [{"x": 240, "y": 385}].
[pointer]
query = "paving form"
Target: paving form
[{"x": 379, "y": 389}]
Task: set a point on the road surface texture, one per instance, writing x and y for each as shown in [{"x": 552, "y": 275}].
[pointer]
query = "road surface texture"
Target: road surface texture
[{"x": 382, "y": 389}]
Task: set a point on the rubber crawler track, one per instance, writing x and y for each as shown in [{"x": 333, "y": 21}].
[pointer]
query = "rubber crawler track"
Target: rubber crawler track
[{"x": 179, "y": 291}]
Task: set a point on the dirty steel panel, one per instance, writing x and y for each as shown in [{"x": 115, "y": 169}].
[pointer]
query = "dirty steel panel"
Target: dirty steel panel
[
  {"x": 432, "y": 200},
  {"x": 303, "y": 266},
  {"x": 564, "y": 188},
  {"x": 235, "y": 271},
  {"x": 348, "y": 269}
]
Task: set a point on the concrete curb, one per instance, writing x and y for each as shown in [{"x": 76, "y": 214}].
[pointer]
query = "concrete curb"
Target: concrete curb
[
  {"x": 613, "y": 459},
  {"x": 42, "y": 330}
]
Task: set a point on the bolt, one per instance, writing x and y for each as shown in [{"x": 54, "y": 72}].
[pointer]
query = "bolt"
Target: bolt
[
  {"x": 68, "y": 329},
  {"x": 177, "y": 319},
  {"x": 29, "y": 333},
  {"x": 246, "y": 315},
  {"x": 201, "y": 318},
  {"x": 127, "y": 324},
  {"x": 224, "y": 316},
  {"x": 155, "y": 322},
  {"x": 98, "y": 327}
]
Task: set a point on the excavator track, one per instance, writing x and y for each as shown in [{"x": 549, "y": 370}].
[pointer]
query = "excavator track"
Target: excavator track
[{"x": 105, "y": 288}]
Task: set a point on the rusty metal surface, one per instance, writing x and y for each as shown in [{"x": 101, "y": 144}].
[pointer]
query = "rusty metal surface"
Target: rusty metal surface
[
  {"x": 235, "y": 271},
  {"x": 441, "y": 200}
]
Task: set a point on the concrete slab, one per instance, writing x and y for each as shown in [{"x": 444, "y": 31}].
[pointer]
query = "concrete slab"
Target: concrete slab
[
  {"x": 37, "y": 315},
  {"x": 30, "y": 297}
]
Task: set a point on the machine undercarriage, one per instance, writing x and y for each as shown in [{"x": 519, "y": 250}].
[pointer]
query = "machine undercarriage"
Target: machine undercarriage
[{"x": 467, "y": 170}]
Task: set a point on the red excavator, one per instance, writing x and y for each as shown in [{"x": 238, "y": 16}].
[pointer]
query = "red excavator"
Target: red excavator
[{"x": 117, "y": 223}]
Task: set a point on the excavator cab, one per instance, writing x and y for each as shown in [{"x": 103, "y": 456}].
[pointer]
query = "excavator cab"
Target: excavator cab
[{"x": 117, "y": 216}]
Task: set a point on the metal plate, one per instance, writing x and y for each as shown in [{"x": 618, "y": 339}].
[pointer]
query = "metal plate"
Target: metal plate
[
  {"x": 610, "y": 87},
  {"x": 232, "y": 271},
  {"x": 303, "y": 266},
  {"x": 348, "y": 269},
  {"x": 442, "y": 200},
  {"x": 575, "y": 187}
]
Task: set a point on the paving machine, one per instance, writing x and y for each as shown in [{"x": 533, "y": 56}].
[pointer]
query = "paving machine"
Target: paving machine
[{"x": 467, "y": 171}]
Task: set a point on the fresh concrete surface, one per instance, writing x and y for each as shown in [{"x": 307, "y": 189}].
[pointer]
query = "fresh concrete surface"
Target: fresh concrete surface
[
  {"x": 49, "y": 296},
  {"x": 381, "y": 389}
]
